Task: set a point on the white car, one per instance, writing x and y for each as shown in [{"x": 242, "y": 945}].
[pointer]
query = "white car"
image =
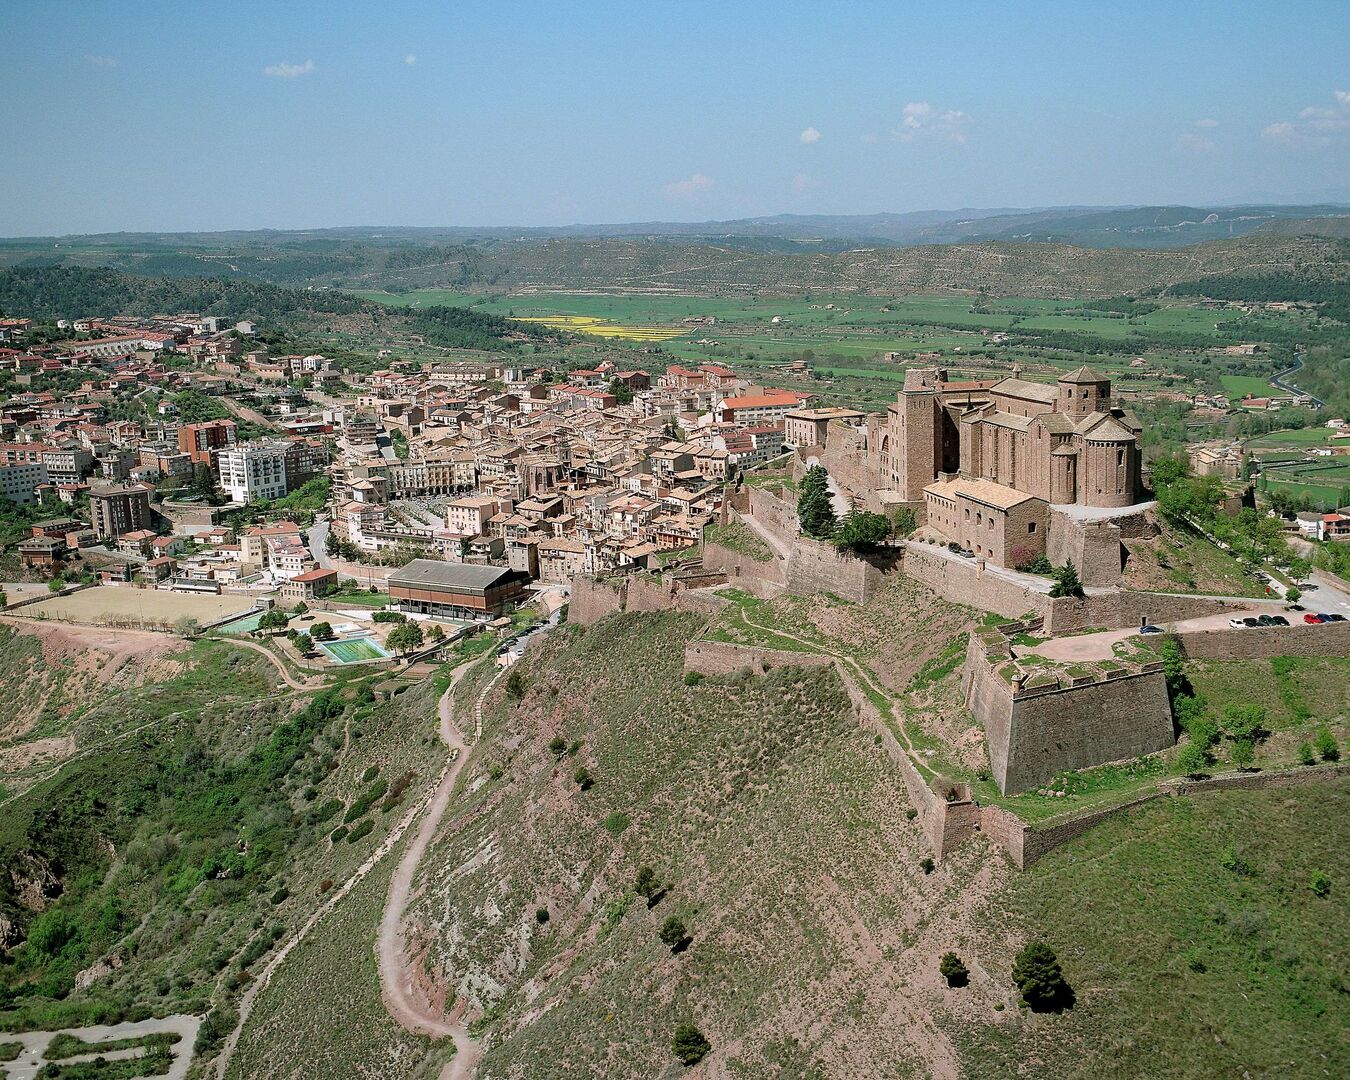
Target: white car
[{"x": 1236, "y": 624}]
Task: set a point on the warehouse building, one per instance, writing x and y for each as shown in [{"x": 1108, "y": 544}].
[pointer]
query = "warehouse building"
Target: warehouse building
[{"x": 456, "y": 590}]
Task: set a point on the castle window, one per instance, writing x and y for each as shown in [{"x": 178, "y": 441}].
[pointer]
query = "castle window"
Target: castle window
[{"x": 1031, "y": 526}]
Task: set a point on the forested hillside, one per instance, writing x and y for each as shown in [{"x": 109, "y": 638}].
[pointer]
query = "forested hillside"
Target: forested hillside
[{"x": 70, "y": 292}]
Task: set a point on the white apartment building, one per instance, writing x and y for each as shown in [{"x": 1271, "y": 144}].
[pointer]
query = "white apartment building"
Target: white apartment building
[
  {"x": 253, "y": 473},
  {"x": 18, "y": 481}
]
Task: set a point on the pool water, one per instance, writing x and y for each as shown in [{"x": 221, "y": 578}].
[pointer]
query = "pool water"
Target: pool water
[
  {"x": 355, "y": 650},
  {"x": 244, "y": 625}
]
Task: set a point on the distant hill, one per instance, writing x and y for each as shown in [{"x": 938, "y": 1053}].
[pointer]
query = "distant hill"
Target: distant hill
[{"x": 70, "y": 292}]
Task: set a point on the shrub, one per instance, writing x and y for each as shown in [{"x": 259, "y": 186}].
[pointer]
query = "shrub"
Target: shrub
[
  {"x": 1321, "y": 884},
  {"x": 645, "y": 884},
  {"x": 1193, "y": 760},
  {"x": 911, "y": 814},
  {"x": 927, "y": 864},
  {"x": 1066, "y": 581},
  {"x": 280, "y": 896},
  {"x": 862, "y": 531},
  {"x": 693, "y": 678},
  {"x": 389, "y": 617},
  {"x": 1040, "y": 980},
  {"x": 322, "y": 631},
  {"x": 557, "y": 746},
  {"x": 583, "y": 778},
  {"x": 541, "y": 915},
  {"x": 1306, "y": 755},
  {"x": 953, "y": 970},
  {"x": 1243, "y": 753},
  {"x": 673, "y": 933},
  {"x": 615, "y": 823},
  {"x": 361, "y": 830},
  {"x": 689, "y": 1044},
  {"x": 1245, "y": 722},
  {"x": 1327, "y": 749},
  {"x": 516, "y": 685}
]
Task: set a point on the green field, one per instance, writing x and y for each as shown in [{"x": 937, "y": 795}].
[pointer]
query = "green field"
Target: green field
[
  {"x": 1239, "y": 386},
  {"x": 1313, "y": 436}
]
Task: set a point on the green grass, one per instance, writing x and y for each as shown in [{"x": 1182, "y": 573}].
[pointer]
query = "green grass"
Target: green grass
[
  {"x": 1313, "y": 436},
  {"x": 1183, "y": 967},
  {"x": 1239, "y": 386},
  {"x": 739, "y": 537}
]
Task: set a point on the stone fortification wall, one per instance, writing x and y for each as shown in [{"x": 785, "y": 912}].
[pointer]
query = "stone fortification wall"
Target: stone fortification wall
[
  {"x": 1263, "y": 642},
  {"x": 744, "y": 571},
  {"x": 1094, "y": 548},
  {"x": 721, "y": 657},
  {"x": 777, "y": 515},
  {"x": 961, "y": 582},
  {"x": 814, "y": 566},
  {"x": 845, "y": 457},
  {"x": 1122, "y": 607},
  {"x": 593, "y": 599},
  {"x": 1034, "y": 734}
]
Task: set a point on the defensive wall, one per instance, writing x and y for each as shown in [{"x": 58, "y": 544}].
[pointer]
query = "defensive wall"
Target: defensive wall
[
  {"x": 1263, "y": 642},
  {"x": 594, "y": 598},
  {"x": 761, "y": 577},
  {"x": 1036, "y": 731},
  {"x": 969, "y": 582}
]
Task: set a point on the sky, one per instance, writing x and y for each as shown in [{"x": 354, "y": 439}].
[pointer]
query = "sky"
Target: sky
[{"x": 180, "y": 116}]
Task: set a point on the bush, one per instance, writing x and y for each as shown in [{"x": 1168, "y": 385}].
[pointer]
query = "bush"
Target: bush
[
  {"x": 862, "y": 531},
  {"x": 1040, "y": 980},
  {"x": 1039, "y": 565},
  {"x": 557, "y": 746},
  {"x": 1066, "y": 581},
  {"x": 1194, "y": 762},
  {"x": 322, "y": 631},
  {"x": 645, "y": 884},
  {"x": 1306, "y": 755},
  {"x": 1243, "y": 753},
  {"x": 583, "y": 778},
  {"x": 927, "y": 864},
  {"x": 693, "y": 678},
  {"x": 541, "y": 915},
  {"x": 389, "y": 617},
  {"x": 672, "y": 933},
  {"x": 689, "y": 1044},
  {"x": 1327, "y": 749},
  {"x": 953, "y": 970},
  {"x": 1321, "y": 884},
  {"x": 516, "y": 685}
]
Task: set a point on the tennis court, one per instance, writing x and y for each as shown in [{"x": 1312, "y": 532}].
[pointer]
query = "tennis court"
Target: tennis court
[{"x": 355, "y": 650}]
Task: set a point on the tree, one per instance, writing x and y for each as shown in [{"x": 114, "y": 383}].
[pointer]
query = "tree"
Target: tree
[
  {"x": 304, "y": 644},
  {"x": 516, "y": 685},
  {"x": 322, "y": 631},
  {"x": 1066, "y": 581},
  {"x": 903, "y": 521},
  {"x": 1327, "y": 749},
  {"x": 953, "y": 970},
  {"x": 1292, "y": 595},
  {"x": 187, "y": 627},
  {"x": 405, "y": 637},
  {"x": 1243, "y": 753},
  {"x": 646, "y": 884},
  {"x": 815, "y": 510},
  {"x": 301, "y": 608},
  {"x": 862, "y": 531},
  {"x": 623, "y": 393},
  {"x": 1038, "y": 976},
  {"x": 689, "y": 1044},
  {"x": 1168, "y": 469},
  {"x": 557, "y": 746},
  {"x": 673, "y": 934},
  {"x": 203, "y": 485},
  {"x": 1245, "y": 722},
  {"x": 272, "y": 619},
  {"x": 436, "y": 632},
  {"x": 1193, "y": 760},
  {"x": 583, "y": 778},
  {"x": 1174, "y": 666}
]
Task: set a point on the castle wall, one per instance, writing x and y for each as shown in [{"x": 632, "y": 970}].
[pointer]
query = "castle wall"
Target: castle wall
[
  {"x": 814, "y": 566},
  {"x": 1263, "y": 642},
  {"x": 777, "y": 515},
  {"x": 1094, "y": 548},
  {"x": 722, "y": 657},
  {"x": 960, "y": 582},
  {"x": 1034, "y": 734},
  {"x": 592, "y": 600},
  {"x": 744, "y": 571}
]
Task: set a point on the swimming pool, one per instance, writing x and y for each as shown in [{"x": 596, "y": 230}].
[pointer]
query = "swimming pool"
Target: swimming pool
[
  {"x": 245, "y": 625},
  {"x": 355, "y": 650}
]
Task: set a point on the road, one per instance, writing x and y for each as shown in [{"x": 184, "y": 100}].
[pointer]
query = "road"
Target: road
[
  {"x": 287, "y": 678},
  {"x": 1281, "y": 381}
]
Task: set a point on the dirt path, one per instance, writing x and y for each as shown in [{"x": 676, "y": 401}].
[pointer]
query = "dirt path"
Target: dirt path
[
  {"x": 398, "y": 976},
  {"x": 337, "y": 895},
  {"x": 295, "y": 684}
]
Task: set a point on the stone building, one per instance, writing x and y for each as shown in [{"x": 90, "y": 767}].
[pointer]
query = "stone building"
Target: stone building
[{"x": 990, "y": 460}]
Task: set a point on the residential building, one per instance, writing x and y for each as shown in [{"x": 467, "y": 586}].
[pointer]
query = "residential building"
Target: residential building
[
  {"x": 18, "y": 483},
  {"x": 118, "y": 510},
  {"x": 253, "y": 473}
]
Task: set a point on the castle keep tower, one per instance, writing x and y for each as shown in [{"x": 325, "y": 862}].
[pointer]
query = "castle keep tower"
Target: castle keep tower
[
  {"x": 914, "y": 434},
  {"x": 1083, "y": 392}
]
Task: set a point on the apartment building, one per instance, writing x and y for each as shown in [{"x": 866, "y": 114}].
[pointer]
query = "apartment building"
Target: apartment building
[{"x": 253, "y": 473}]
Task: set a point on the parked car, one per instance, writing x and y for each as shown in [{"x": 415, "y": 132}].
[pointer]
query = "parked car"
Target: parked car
[
  {"x": 1278, "y": 620},
  {"x": 959, "y": 550},
  {"x": 1312, "y": 619},
  {"x": 1150, "y": 629},
  {"x": 1237, "y": 624},
  {"x": 1333, "y": 617},
  {"x": 1265, "y": 620},
  {"x": 1293, "y": 607},
  {"x": 1251, "y": 622}
]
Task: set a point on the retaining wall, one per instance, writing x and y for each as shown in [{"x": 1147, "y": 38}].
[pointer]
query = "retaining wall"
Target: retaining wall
[
  {"x": 1263, "y": 642},
  {"x": 774, "y": 514},
  {"x": 745, "y": 571},
  {"x": 721, "y": 657}
]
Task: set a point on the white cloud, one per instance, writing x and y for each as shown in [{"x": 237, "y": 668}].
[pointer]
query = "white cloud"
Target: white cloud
[
  {"x": 695, "y": 185},
  {"x": 920, "y": 120},
  {"x": 290, "y": 71},
  {"x": 810, "y": 136},
  {"x": 410, "y": 59},
  {"x": 1206, "y": 122},
  {"x": 100, "y": 61},
  {"x": 1190, "y": 143},
  {"x": 803, "y": 183},
  {"x": 1316, "y": 125}
]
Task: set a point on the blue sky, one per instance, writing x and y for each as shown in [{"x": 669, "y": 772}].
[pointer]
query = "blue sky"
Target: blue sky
[{"x": 186, "y": 115}]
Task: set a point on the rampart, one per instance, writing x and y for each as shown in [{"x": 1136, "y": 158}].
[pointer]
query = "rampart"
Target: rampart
[
  {"x": 1263, "y": 642},
  {"x": 721, "y": 657},
  {"x": 1035, "y": 732},
  {"x": 757, "y": 576},
  {"x": 593, "y": 598}
]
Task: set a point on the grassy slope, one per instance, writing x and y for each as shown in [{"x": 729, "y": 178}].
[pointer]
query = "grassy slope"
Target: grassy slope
[
  {"x": 1137, "y": 904},
  {"x": 131, "y": 827},
  {"x": 780, "y": 827},
  {"x": 1182, "y": 561}
]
